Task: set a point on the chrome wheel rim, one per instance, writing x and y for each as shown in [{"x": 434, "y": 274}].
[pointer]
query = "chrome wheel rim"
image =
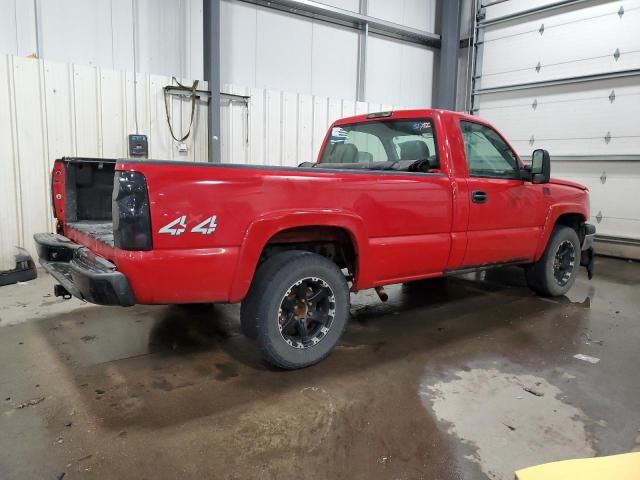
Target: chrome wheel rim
[
  {"x": 306, "y": 312},
  {"x": 563, "y": 262}
]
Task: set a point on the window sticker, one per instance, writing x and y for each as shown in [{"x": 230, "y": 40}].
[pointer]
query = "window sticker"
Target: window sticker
[
  {"x": 421, "y": 126},
  {"x": 338, "y": 135}
]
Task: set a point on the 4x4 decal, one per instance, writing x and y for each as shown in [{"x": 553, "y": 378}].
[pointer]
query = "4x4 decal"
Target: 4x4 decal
[
  {"x": 206, "y": 227},
  {"x": 179, "y": 226},
  {"x": 176, "y": 227}
]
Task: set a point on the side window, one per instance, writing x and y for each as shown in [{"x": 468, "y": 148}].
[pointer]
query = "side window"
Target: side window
[{"x": 487, "y": 154}]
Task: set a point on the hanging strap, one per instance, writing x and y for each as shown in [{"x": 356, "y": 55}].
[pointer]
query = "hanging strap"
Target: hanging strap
[{"x": 191, "y": 89}]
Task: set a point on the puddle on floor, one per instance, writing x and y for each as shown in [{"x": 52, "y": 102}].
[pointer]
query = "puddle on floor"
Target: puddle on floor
[{"x": 505, "y": 421}]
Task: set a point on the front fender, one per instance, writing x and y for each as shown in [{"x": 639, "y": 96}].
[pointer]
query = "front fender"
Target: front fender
[
  {"x": 554, "y": 212},
  {"x": 261, "y": 230}
]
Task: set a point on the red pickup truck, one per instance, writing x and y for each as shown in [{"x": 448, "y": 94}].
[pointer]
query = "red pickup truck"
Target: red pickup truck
[{"x": 393, "y": 197}]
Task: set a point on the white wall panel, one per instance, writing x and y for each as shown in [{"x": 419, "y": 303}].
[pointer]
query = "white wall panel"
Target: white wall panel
[
  {"x": 334, "y": 67},
  {"x": 52, "y": 110},
  {"x": 85, "y": 105},
  {"x": 78, "y": 31},
  {"x": 384, "y": 67},
  {"x": 238, "y": 43},
  {"x": 283, "y": 59},
  {"x": 8, "y": 37},
  {"x": 418, "y": 14},
  {"x": 100, "y": 33},
  {"x": 25, "y": 29},
  {"x": 264, "y": 48},
  {"x": 399, "y": 73},
  {"x": 416, "y": 77},
  {"x": 112, "y": 115}
]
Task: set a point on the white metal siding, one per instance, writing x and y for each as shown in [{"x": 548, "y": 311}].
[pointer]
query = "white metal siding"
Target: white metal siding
[
  {"x": 281, "y": 128},
  {"x": 576, "y": 119},
  {"x": 54, "y": 109},
  {"x": 100, "y": 33}
]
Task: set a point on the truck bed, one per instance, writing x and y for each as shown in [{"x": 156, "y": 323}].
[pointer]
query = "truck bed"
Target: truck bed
[
  {"x": 101, "y": 230},
  {"x": 88, "y": 191}
]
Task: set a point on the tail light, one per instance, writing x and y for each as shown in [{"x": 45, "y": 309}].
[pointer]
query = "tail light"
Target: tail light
[{"x": 130, "y": 210}]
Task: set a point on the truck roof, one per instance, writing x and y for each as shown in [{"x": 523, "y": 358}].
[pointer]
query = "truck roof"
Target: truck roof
[{"x": 413, "y": 113}]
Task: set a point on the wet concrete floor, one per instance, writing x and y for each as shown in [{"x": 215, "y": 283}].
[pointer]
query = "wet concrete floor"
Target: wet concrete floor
[{"x": 468, "y": 378}]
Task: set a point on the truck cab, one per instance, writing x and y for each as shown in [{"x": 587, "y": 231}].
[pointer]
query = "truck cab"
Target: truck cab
[{"x": 392, "y": 197}]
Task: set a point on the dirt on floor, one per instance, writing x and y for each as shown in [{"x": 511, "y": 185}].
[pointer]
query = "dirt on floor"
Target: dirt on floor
[{"x": 471, "y": 378}]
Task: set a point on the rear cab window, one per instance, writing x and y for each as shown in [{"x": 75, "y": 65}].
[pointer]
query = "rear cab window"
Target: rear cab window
[{"x": 397, "y": 142}]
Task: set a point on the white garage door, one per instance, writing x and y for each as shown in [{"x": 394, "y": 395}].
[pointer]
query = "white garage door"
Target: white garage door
[{"x": 568, "y": 80}]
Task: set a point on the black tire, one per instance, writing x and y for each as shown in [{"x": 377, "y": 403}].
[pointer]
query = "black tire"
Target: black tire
[
  {"x": 284, "y": 289},
  {"x": 248, "y": 308},
  {"x": 556, "y": 271}
]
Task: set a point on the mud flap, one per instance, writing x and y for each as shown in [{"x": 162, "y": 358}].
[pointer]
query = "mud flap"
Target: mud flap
[{"x": 586, "y": 260}]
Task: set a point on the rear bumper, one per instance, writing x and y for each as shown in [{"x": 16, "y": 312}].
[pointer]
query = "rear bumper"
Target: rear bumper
[{"x": 82, "y": 273}]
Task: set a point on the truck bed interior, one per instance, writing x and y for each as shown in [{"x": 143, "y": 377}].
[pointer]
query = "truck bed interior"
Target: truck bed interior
[{"x": 89, "y": 186}]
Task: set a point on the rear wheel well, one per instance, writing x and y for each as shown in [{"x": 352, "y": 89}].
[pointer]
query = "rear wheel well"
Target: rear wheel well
[{"x": 333, "y": 243}]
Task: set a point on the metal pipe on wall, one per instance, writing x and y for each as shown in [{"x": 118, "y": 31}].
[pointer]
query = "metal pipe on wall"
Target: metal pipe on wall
[
  {"x": 362, "y": 56},
  {"x": 211, "y": 49}
]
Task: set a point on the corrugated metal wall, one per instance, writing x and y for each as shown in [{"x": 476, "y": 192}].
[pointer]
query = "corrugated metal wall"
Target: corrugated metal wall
[
  {"x": 49, "y": 110},
  {"x": 589, "y": 124},
  {"x": 280, "y": 128}
]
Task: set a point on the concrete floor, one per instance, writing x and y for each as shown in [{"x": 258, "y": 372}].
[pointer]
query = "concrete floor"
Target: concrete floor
[{"x": 470, "y": 378}]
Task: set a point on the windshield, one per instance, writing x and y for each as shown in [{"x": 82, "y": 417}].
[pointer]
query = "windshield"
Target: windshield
[{"x": 396, "y": 141}]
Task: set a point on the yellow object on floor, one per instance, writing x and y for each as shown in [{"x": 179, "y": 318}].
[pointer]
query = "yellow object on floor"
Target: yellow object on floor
[{"x": 615, "y": 467}]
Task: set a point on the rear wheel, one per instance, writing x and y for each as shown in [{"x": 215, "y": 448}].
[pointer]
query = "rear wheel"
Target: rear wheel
[
  {"x": 556, "y": 271},
  {"x": 296, "y": 309}
]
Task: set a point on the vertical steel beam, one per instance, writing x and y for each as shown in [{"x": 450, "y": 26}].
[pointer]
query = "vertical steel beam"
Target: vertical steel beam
[
  {"x": 447, "y": 77},
  {"x": 362, "y": 55},
  {"x": 211, "y": 50}
]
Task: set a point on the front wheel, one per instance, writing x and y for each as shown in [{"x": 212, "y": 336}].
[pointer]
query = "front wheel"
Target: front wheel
[
  {"x": 556, "y": 271},
  {"x": 297, "y": 308}
]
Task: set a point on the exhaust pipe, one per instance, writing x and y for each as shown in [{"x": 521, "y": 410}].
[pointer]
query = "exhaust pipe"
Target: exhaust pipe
[{"x": 382, "y": 294}]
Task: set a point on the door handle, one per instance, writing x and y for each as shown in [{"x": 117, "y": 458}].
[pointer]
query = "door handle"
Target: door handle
[{"x": 478, "y": 196}]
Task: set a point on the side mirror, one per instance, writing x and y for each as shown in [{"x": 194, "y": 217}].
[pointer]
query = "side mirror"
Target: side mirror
[
  {"x": 306, "y": 164},
  {"x": 540, "y": 166}
]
